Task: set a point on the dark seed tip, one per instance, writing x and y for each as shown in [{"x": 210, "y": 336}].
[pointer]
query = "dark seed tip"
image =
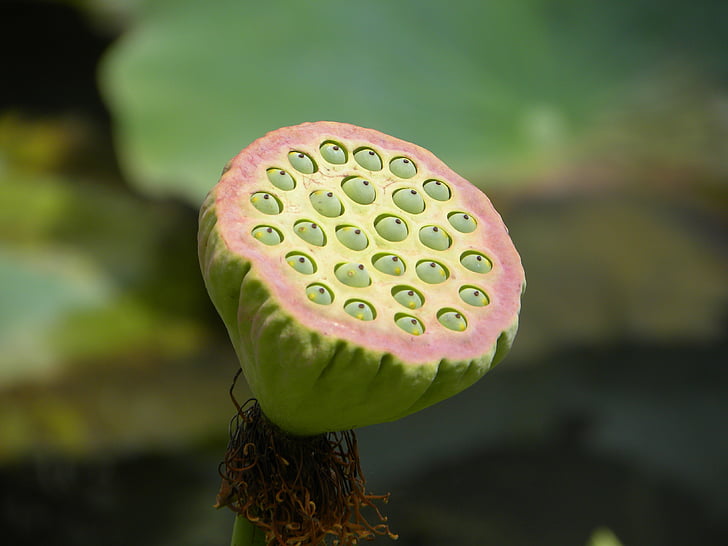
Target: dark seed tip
[
  {"x": 410, "y": 293},
  {"x": 329, "y": 194},
  {"x": 361, "y": 266}
]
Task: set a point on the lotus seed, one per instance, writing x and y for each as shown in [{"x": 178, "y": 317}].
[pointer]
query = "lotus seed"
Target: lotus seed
[
  {"x": 352, "y": 274},
  {"x": 359, "y": 190},
  {"x": 352, "y": 237},
  {"x": 389, "y": 264},
  {"x": 302, "y": 162},
  {"x": 391, "y": 228},
  {"x": 266, "y": 203},
  {"x": 310, "y": 232},
  {"x": 476, "y": 262},
  {"x": 369, "y": 159},
  {"x": 360, "y": 310},
  {"x": 452, "y": 320},
  {"x": 474, "y": 296},
  {"x": 333, "y": 153},
  {"x": 281, "y": 179},
  {"x": 318, "y": 293},
  {"x": 409, "y": 200},
  {"x": 326, "y": 203},
  {"x": 431, "y": 272},
  {"x": 402, "y": 167},
  {"x": 267, "y": 235},
  {"x": 462, "y": 221},
  {"x": 435, "y": 238},
  {"x": 437, "y": 190},
  {"x": 302, "y": 264},
  {"x": 409, "y": 324},
  {"x": 408, "y": 297}
]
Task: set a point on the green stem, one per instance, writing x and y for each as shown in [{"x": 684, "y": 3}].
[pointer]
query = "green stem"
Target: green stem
[{"x": 247, "y": 534}]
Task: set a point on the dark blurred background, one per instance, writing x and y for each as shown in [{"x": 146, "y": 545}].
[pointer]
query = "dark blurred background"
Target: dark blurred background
[{"x": 600, "y": 132}]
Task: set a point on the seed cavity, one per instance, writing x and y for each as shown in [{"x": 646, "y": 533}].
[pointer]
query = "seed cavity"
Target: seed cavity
[
  {"x": 391, "y": 228},
  {"x": 301, "y": 263},
  {"x": 472, "y": 295},
  {"x": 409, "y": 200},
  {"x": 302, "y": 162},
  {"x": 403, "y": 167},
  {"x": 452, "y": 319},
  {"x": 431, "y": 272},
  {"x": 435, "y": 237},
  {"x": 389, "y": 264},
  {"x": 281, "y": 179},
  {"x": 310, "y": 232},
  {"x": 408, "y": 296},
  {"x": 267, "y": 235},
  {"x": 319, "y": 293},
  {"x": 359, "y": 190},
  {"x": 462, "y": 221},
  {"x": 360, "y": 310},
  {"x": 267, "y": 203},
  {"x": 333, "y": 152},
  {"x": 352, "y": 237},
  {"x": 437, "y": 189},
  {"x": 353, "y": 274},
  {"x": 368, "y": 158},
  {"x": 476, "y": 262},
  {"x": 409, "y": 324},
  {"x": 326, "y": 203}
]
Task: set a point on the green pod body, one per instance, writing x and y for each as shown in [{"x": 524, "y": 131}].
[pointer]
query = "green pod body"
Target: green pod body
[{"x": 314, "y": 367}]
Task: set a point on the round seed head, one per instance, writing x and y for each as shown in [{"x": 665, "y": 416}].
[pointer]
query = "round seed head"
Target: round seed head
[
  {"x": 267, "y": 235},
  {"x": 302, "y": 162},
  {"x": 369, "y": 159},
  {"x": 281, "y": 179},
  {"x": 352, "y": 237},
  {"x": 409, "y": 200},
  {"x": 333, "y": 152},
  {"x": 359, "y": 190},
  {"x": 402, "y": 167},
  {"x": 413, "y": 300}
]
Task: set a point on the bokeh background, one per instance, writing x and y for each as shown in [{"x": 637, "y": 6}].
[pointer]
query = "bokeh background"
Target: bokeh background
[{"x": 599, "y": 130}]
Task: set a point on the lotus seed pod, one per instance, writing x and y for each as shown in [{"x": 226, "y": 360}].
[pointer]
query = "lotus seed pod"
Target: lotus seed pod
[{"x": 433, "y": 321}]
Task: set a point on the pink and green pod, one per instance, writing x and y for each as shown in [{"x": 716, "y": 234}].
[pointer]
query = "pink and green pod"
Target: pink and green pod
[{"x": 360, "y": 279}]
